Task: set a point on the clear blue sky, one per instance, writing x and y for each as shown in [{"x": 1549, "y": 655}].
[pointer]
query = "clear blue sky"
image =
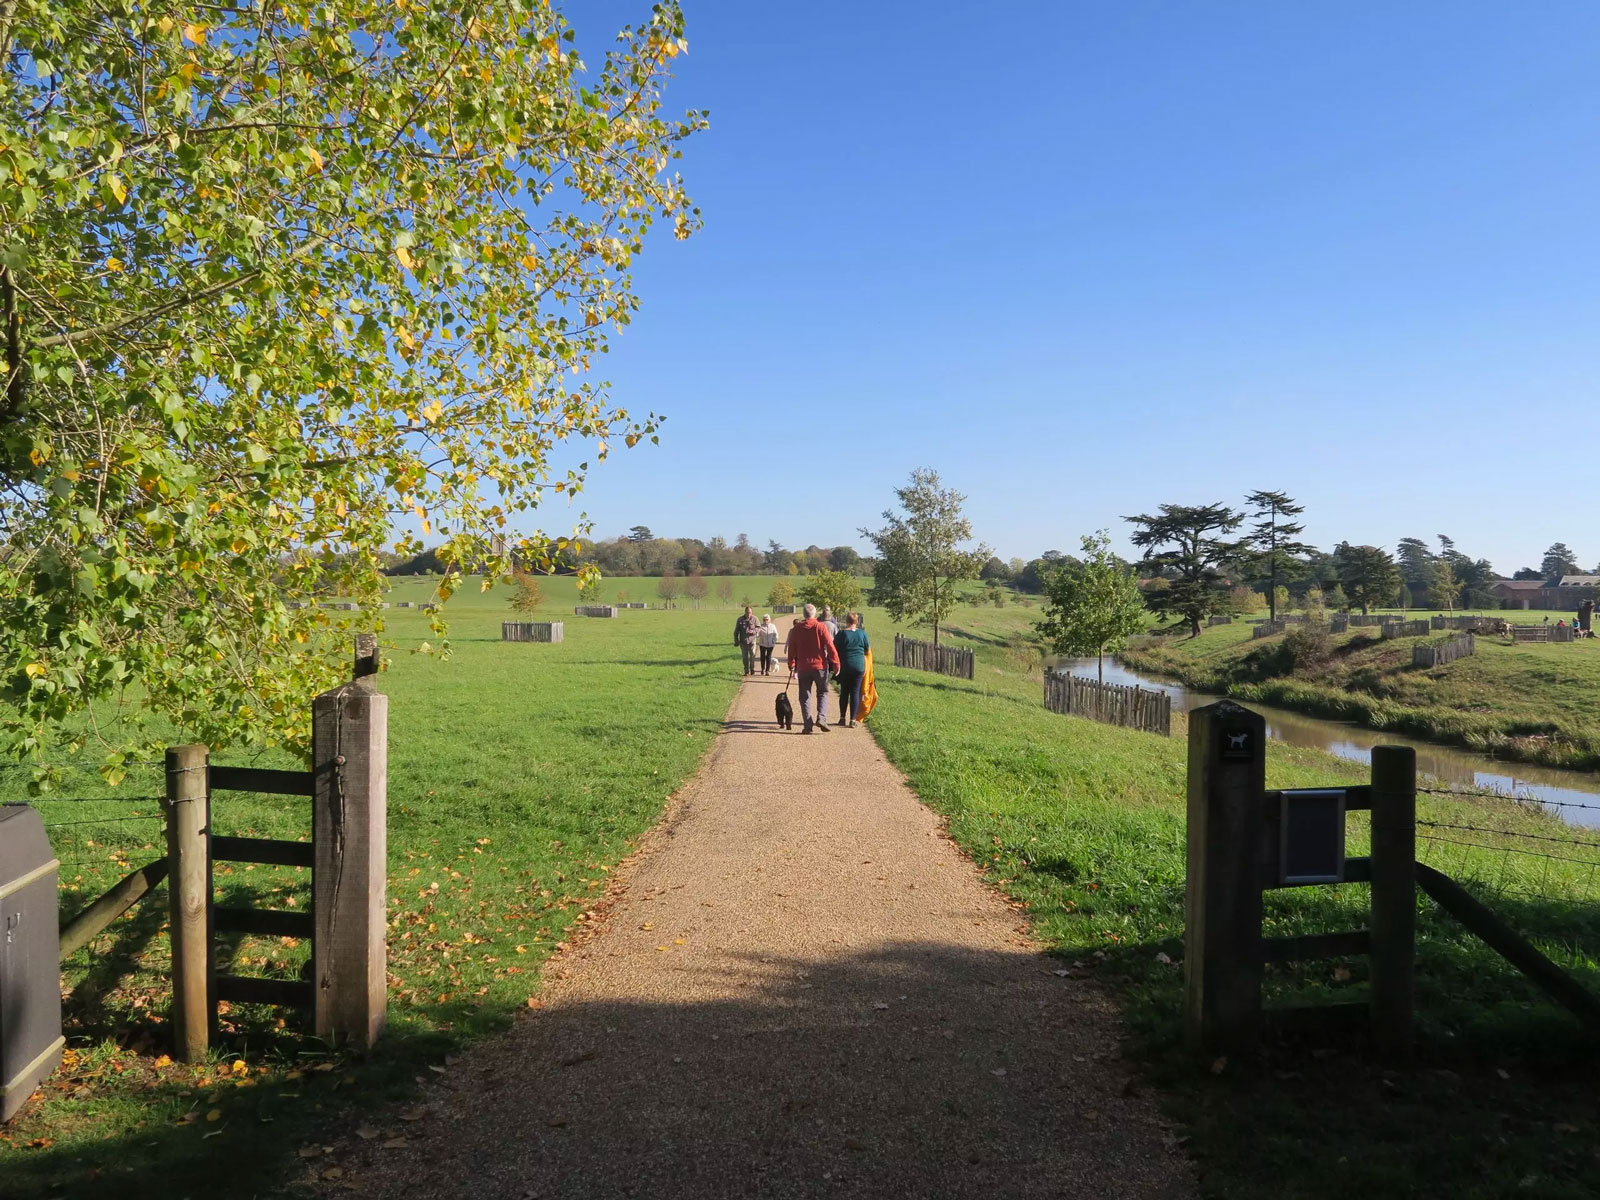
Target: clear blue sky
[{"x": 1085, "y": 257}]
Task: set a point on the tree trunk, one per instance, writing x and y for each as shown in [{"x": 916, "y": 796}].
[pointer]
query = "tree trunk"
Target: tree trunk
[{"x": 1100, "y": 664}]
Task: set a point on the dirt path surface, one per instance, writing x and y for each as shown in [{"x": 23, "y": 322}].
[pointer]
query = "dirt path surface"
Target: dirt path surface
[{"x": 801, "y": 988}]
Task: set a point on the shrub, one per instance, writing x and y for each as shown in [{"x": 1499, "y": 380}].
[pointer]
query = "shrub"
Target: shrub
[
  {"x": 782, "y": 593},
  {"x": 833, "y": 589},
  {"x": 1306, "y": 646}
]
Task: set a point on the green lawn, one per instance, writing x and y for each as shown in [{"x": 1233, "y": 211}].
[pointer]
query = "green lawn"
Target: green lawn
[
  {"x": 519, "y": 775},
  {"x": 1084, "y": 824}
]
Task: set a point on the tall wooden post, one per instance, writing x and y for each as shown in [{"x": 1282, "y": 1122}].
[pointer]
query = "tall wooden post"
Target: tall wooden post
[
  {"x": 1222, "y": 908},
  {"x": 366, "y": 657},
  {"x": 350, "y": 760},
  {"x": 188, "y": 805},
  {"x": 1394, "y": 898}
]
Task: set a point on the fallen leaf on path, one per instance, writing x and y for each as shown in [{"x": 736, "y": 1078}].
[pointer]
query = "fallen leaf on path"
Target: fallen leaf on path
[
  {"x": 395, "y": 1143},
  {"x": 366, "y": 1133},
  {"x": 1219, "y": 1065},
  {"x": 214, "y": 1115},
  {"x": 998, "y": 1072},
  {"x": 880, "y": 1005}
]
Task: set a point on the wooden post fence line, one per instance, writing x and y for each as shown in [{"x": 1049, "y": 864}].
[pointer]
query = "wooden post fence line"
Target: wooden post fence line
[
  {"x": 1399, "y": 629},
  {"x": 1445, "y": 652},
  {"x": 532, "y": 631},
  {"x": 925, "y": 656},
  {"x": 1268, "y": 629},
  {"x": 1112, "y": 704},
  {"x": 595, "y": 610}
]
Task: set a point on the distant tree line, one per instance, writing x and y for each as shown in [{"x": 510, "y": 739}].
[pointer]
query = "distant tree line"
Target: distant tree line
[{"x": 640, "y": 552}]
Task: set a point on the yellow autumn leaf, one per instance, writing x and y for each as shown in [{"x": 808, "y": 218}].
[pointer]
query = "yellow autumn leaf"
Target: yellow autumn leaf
[
  {"x": 117, "y": 188},
  {"x": 316, "y": 159},
  {"x": 404, "y": 256},
  {"x": 214, "y": 1115},
  {"x": 34, "y": 670},
  {"x": 113, "y": 264},
  {"x": 188, "y": 71},
  {"x": 194, "y": 33},
  {"x": 238, "y": 545},
  {"x": 39, "y": 455},
  {"x": 433, "y": 412},
  {"x": 406, "y": 340}
]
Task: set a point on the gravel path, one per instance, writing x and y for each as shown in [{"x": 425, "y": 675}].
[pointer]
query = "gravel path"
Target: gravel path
[{"x": 799, "y": 987}]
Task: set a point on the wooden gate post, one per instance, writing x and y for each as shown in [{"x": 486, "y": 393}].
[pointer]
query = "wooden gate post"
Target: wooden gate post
[
  {"x": 349, "y": 833},
  {"x": 1394, "y": 898},
  {"x": 1222, "y": 905},
  {"x": 188, "y": 804}
]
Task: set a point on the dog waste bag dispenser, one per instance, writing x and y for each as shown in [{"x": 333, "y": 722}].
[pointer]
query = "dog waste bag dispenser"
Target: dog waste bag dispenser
[{"x": 30, "y": 968}]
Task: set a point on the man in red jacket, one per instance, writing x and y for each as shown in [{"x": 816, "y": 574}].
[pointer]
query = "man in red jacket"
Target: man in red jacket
[{"x": 812, "y": 656}]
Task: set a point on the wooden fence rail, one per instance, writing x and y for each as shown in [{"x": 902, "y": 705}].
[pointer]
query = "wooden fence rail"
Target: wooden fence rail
[
  {"x": 532, "y": 631},
  {"x": 1398, "y": 629},
  {"x": 1359, "y": 621},
  {"x": 1469, "y": 624},
  {"x": 1268, "y": 629},
  {"x": 1219, "y": 621},
  {"x": 1109, "y": 703},
  {"x": 595, "y": 610},
  {"x": 925, "y": 656},
  {"x": 1542, "y": 633},
  {"x": 1445, "y": 652}
]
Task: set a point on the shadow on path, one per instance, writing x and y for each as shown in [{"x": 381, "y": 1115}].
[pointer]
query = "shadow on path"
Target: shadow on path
[{"x": 907, "y": 1069}]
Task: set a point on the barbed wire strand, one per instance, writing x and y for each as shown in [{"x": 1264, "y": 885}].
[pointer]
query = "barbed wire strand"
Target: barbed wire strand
[
  {"x": 1582, "y": 862},
  {"x": 1513, "y": 833},
  {"x": 102, "y": 821}
]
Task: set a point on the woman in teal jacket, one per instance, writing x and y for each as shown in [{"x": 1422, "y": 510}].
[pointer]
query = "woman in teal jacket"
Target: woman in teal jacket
[{"x": 852, "y": 646}]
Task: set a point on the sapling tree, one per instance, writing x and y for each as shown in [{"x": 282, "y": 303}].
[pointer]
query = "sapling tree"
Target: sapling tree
[
  {"x": 921, "y": 562},
  {"x": 273, "y": 278},
  {"x": 1093, "y": 606}
]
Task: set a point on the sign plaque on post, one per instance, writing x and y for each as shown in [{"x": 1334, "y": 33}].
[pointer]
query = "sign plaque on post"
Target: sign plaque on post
[{"x": 1311, "y": 836}]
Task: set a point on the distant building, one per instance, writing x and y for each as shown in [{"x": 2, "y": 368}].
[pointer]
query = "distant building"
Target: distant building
[{"x": 1534, "y": 593}]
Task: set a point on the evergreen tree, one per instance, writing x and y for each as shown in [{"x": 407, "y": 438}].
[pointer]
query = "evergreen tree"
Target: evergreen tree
[
  {"x": 1274, "y": 538},
  {"x": 1189, "y": 544}
]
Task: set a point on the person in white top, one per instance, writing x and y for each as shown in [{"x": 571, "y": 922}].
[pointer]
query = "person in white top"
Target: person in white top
[{"x": 767, "y": 639}]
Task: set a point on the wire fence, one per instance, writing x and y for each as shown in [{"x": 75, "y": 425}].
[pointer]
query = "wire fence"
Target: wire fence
[{"x": 1543, "y": 860}]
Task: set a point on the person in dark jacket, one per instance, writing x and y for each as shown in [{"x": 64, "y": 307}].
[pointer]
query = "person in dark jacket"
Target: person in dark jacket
[
  {"x": 852, "y": 646},
  {"x": 746, "y": 631}
]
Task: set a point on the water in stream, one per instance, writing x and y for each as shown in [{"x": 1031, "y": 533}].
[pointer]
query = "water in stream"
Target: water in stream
[{"x": 1573, "y": 794}]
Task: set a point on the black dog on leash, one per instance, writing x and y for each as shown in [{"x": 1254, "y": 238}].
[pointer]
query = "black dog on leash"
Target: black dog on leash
[{"x": 784, "y": 709}]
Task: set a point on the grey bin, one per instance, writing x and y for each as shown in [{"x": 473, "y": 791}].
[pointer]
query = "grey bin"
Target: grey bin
[{"x": 30, "y": 958}]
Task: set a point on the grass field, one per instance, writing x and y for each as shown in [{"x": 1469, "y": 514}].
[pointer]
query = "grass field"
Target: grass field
[
  {"x": 1529, "y": 702},
  {"x": 1084, "y": 824},
  {"x": 520, "y": 775}
]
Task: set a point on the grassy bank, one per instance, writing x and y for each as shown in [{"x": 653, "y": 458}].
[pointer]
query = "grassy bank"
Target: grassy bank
[
  {"x": 519, "y": 775},
  {"x": 1530, "y": 702},
  {"x": 1084, "y": 824}
]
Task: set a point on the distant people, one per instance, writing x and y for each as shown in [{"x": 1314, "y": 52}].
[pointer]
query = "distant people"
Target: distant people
[
  {"x": 746, "y": 631},
  {"x": 812, "y": 656},
  {"x": 768, "y": 641},
  {"x": 852, "y": 646},
  {"x": 826, "y": 617}
]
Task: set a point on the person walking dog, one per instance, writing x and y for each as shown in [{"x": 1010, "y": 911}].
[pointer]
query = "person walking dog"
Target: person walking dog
[
  {"x": 746, "y": 631},
  {"x": 812, "y": 656}
]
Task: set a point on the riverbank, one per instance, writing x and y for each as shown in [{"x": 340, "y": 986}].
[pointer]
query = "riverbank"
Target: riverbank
[
  {"x": 1082, "y": 825},
  {"x": 1528, "y": 702}
]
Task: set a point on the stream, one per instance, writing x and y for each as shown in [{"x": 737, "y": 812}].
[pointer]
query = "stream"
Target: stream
[{"x": 1574, "y": 795}]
